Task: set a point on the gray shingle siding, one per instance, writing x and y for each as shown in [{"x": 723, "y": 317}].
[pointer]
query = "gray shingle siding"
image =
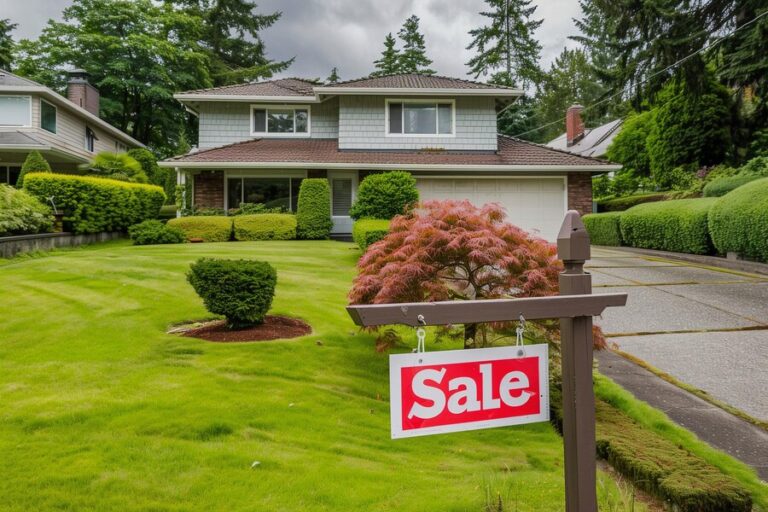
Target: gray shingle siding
[{"x": 362, "y": 119}]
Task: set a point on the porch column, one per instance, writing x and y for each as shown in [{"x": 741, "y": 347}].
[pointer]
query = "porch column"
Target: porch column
[{"x": 181, "y": 180}]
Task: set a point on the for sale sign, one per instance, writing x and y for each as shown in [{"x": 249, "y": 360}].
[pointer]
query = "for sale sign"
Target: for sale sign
[{"x": 439, "y": 392}]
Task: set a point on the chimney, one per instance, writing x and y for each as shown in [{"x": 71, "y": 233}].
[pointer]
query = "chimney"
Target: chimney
[
  {"x": 574, "y": 126},
  {"x": 81, "y": 93}
]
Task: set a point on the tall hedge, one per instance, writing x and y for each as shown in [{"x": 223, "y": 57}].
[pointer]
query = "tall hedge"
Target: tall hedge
[
  {"x": 93, "y": 205},
  {"x": 677, "y": 226},
  {"x": 382, "y": 196},
  {"x": 738, "y": 221},
  {"x": 604, "y": 228},
  {"x": 313, "y": 212}
]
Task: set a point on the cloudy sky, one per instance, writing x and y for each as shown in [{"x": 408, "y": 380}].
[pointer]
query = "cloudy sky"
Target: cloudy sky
[{"x": 349, "y": 34}]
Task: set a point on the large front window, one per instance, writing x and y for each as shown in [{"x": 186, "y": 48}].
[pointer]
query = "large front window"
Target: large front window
[
  {"x": 272, "y": 192},
  {"x": 420, "y": 117},
  {"x": 15, "y": 111},
  {"x": 285, "y": 121}
]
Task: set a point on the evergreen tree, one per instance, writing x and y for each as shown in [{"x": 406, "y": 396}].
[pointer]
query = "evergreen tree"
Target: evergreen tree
[
  {"x": 389, "y": 63},
  {"x": 35, "y": 162},
  {"x": 333, "y": 77},
  {"x": 507, "y": 49},
  {"x": 413, "y": 58},
  {"x": 6, "y": 43}
]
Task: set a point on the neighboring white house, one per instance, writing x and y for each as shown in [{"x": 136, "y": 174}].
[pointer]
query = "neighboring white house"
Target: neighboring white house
[
  {"x": 67, "y": 131},
  {"x": 257, "y": 141},
  {"x": 577, "y": 139}
]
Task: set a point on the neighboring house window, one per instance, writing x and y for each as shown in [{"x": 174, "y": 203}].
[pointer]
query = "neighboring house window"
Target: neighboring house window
[
  {"x": 47, "y": 116},
  {"x": 15, "y": 111},
  {"x": 420, "y": 117},
  {"x": 280, "y": 121},
  {"x": 272, "y": 192},
  {"x": 90, "y": 140}
]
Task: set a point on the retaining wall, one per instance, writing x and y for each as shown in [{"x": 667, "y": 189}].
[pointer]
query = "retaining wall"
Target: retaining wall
[{"x": 12, "y": 245}]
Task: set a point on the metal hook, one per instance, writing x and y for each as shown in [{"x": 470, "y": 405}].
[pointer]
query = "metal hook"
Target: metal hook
[
  {"x": 421, "y": 334},
  {"x": 519, "y": 331}
]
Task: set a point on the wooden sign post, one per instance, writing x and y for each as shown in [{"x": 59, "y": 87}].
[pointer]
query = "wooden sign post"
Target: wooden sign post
[{"x": 575, "y": 307}]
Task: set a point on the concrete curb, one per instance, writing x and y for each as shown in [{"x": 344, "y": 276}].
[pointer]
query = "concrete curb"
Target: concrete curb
[{"x": 711, "y": 261}]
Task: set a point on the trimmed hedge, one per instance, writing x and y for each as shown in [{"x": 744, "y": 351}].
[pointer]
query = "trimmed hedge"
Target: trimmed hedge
[
  {"x": 604, "y": 228},
  {"x": 620, "y": 204},
  {"x": 677, "y": 226},
  {"x": 368, "y": 231},
  {"x": 738, "y": 222},
  {"x": 207, "y": 229},
  {"x": 313, "y": 211},
  {"x": 384, "y": 195},
  {"x": 720, "y": 187},
  {"x": 265, "y": 226},
  {"x": 152, "y": 232},
  {"x": 94, "y": 205}
]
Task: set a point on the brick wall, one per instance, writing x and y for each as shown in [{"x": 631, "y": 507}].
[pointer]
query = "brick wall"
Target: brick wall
[
  {"x": 580, "y": 192},
  {"x": 209, "y": 189}
]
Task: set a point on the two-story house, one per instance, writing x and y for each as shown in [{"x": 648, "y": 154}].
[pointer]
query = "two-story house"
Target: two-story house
[
  {"x": 66, "y": 131},
  {"x": 257, "y": 141}
]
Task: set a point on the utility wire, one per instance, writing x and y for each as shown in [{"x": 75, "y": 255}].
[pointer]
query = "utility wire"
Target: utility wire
[{"x": 653, "y": 75}]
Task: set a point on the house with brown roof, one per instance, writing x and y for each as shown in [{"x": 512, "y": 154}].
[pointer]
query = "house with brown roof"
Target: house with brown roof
[
  {"x": 257, "y": 141},
  {"x": 67, "y": 131}
]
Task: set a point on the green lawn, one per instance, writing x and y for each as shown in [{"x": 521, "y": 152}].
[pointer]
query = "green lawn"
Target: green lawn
[{"x": 101, "y": 410}]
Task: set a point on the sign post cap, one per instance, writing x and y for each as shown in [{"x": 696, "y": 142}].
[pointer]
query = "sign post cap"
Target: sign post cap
[{"x": 573, "y": 240}]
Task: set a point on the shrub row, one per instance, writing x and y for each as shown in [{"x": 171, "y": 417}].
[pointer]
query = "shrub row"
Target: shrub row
[
  {"x": 620, "y": 204},
  {"x": 722, "y": 186},
  {"x": 677, "y": 226},
  {"x": 368, "y": 231},
  {"x": 267, "y": 226},
  {"x": 92, "y": 204},
  {"x": 604, "y": 228},
  {"x": 738, "y": 221}
]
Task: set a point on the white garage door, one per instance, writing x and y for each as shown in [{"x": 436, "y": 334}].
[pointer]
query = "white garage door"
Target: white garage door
[{"x": 534, "y": 204}]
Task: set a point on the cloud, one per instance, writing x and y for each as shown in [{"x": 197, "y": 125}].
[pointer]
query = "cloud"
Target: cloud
[{"x": 349, "y": 34}]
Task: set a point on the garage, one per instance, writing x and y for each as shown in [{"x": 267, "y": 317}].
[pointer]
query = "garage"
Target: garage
[{"x": 533, "y": 203}]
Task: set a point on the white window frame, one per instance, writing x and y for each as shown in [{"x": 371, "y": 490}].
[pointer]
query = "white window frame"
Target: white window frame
[
  {"x": 29, "y": 116},
  {"x": 5, "y": 169},
  {"x": 275, "y": 106},
  {"x": 451, "y": 102},
  {"x": 240, "y": 175},
  {"x": 56, "y": 109}
]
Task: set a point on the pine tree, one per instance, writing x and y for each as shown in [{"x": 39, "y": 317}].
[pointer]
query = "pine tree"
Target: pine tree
[
  {"x": 506, "y": 49},
  {"x": 413, "y": 58},
  {"x": 333, "y": 77},
  {"x": 6, "y": 43},
  {"x": 33, "y": 163},
  {"x": 389, "y": 63}
]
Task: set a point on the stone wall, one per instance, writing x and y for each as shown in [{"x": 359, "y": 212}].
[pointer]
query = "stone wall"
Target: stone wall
[{"x": 12, "y": 245}]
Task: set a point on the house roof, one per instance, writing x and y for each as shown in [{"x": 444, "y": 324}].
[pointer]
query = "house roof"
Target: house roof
[
  {"x": 414, "y": 81},
  {"x": 279, "y": 87},
  {"x": 513, "y": 154},
  {"x": 18, "y": 139},
  {"x": 594, "y": 143}
]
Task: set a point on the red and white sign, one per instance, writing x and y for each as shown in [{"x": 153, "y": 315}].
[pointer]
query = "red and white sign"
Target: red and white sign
[{"x": 452, "y": 391}]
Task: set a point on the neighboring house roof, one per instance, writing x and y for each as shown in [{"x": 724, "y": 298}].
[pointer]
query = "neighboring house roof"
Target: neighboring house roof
[
  {"x": 10, "y": 83},
  {"x": 513, "y": 154},
  {"x": 594, "y": 143}
]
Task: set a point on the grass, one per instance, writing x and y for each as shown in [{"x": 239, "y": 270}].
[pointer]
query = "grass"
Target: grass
[{"x": 104, "y": 411}]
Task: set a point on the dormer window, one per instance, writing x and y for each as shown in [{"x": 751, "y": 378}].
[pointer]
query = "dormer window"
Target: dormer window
[
  {"x": 280, "y": 121},
  {"x": 420, "y": 117}
]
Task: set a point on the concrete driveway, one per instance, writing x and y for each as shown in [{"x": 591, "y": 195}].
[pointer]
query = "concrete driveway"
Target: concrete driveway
[{"x": 704, "y": 326}]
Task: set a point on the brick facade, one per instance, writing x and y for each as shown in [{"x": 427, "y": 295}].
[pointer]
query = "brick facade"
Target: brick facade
[
  {"x": 580, "y": 192},
  {"x": 209, "y": 189}
]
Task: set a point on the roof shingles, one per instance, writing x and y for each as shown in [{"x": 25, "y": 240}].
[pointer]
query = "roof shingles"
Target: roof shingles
[
  {"x": 281, "y": 87},
  {"x": 416, "y": 81}
]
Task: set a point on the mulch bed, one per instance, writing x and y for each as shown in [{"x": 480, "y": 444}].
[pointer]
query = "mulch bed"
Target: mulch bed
[{"x": 273, "y": 328}]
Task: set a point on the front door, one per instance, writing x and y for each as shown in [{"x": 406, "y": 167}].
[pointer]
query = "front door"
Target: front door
[{"x": 343, "y": 187}]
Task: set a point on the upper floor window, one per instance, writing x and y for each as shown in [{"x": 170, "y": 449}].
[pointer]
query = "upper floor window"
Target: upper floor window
[
  {"x": 420, "y": 117},
  {"x": 280, "y": 121},
  {"x": 47, "y": 116},
  {"x": 90, "y": 140},
  {"x": 15, "y": 111}
]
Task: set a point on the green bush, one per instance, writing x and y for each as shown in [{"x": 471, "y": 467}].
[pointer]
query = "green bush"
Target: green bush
[
  {"x": 152, "y": 232},
  {"x": 629, "y": 146},
  {"x": 620, "y": 204},
  {"x": 738, "y": 221},
  {"x": 33, "y": 163},
  {"x": 207, "y": 229},
  {"x": 254, "y": 209},
  {"x": 117, "y": 166},
  {"x": 679, "y": 226},
  {"x": 604, "y": 228},
  {"x": 368, "y": 231},
  {"x": 93, "y": 204},
  {"x": 313, "y": 212},
  {"x": 382, "y": 196},
  {"x": 241, "y": 290},
  {"x": 21, "y": 213},
  {"x": 720, "y": 187},
  {"x": 168, "y": 211},
  {"x": 155, "y": 174},
  {"x": 265, "y": 226}
]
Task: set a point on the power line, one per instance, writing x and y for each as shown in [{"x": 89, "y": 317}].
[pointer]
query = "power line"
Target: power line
[{"x": 653, "y": 75}]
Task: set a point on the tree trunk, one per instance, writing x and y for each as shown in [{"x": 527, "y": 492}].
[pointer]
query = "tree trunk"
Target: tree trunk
[{"x": 470, "y": 331}]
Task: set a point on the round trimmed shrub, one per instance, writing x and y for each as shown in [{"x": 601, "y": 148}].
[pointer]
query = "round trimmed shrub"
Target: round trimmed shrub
[
  {"x": 21, "y": 213},
  {"x": 382, "y": 196},
  {"x": 313, "y": 211},
  {"x": 152, "y": 232},
  {"x": 677, "y": 226},
  {"x": 240, "y": 290},
  {"x": 604, "y": 228},
  {"x": 369, "y": 231},
  {"x": 205, "y": 228},
  {"x": 265, "y": 226},
  {"x": 720, "y": 187},
  {"x": 738, "y": 221}
]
